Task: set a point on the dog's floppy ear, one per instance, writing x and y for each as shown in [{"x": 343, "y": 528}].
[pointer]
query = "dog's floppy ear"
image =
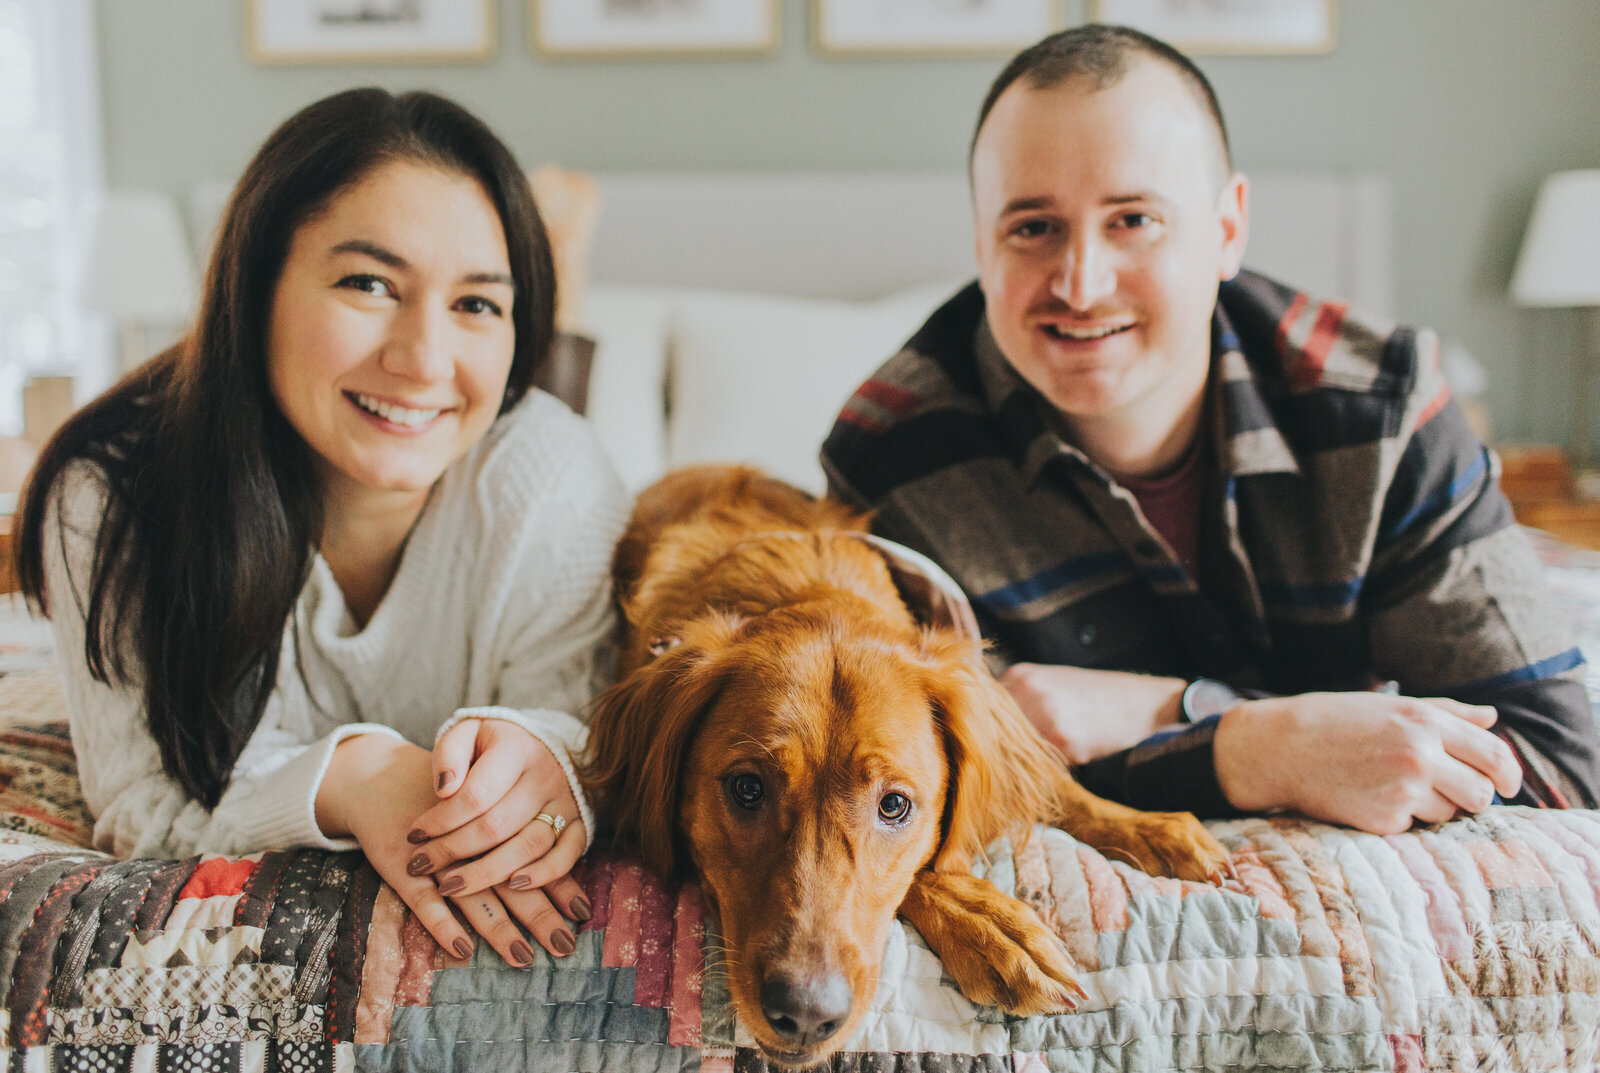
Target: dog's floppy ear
[
  {"x": 640, "y": 731},
  {"x": 1002, "y": 774}
]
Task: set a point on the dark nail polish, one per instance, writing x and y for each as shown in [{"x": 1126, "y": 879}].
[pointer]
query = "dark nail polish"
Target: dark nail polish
[
  {"x": 416, "y": 837},
  {"x": 418, "y": 865},
  {"x": 463, "y": 948},
  {"x": 563, "y": 943},
  {"x": 520, "y": 883},
  {"x": 581, "y": 909},
  {"x": 444, "y": 779},
  {"x": 521, "y": 954},
  {"x": 452, "y": 885}
]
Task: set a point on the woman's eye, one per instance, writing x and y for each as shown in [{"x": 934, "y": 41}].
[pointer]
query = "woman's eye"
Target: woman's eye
[
  {"x": 478, "y": 306},
  {"x": 746, "y": 791},
  {"x": 894, "y": 808},
  {"x": 374, "y": 285}
]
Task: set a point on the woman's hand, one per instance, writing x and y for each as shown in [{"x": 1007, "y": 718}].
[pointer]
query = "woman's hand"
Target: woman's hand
[
  {"x": 496, "y": 782},
  {"x": 373, "y": 790}
]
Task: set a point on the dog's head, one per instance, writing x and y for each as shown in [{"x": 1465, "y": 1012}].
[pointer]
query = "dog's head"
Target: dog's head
[{"x": 808, "y": 762}]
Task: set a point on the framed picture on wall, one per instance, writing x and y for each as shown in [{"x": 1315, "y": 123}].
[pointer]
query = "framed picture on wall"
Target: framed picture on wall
[
  {"x": 624, "y": 28},
  {"x": 1227, "y": 26},
  {"x": 887, "y": 27},
  {"x": 370, "y": 31}
]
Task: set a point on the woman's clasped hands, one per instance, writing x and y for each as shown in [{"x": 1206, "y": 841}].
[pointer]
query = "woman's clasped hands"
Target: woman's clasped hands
[{"x": 487, "y": 821}]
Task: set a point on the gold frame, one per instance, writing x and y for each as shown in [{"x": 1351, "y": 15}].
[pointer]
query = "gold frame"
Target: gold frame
[
  {"x": 539, "y": 47},
  {"x": 485, "y": 54},
  {"x": 1225, "y": 47},
  {"x": 820, "y": 44}
]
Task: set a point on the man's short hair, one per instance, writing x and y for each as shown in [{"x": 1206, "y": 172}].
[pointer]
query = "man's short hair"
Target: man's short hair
[{"x": 1097, "y": 54}]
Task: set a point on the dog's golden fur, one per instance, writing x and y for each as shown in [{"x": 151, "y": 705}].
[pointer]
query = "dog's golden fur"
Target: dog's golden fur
[{"x": 768, "y": 654}]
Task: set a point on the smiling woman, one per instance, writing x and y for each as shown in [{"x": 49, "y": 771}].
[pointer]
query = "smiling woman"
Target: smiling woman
[{"x": 240, "y": 544}]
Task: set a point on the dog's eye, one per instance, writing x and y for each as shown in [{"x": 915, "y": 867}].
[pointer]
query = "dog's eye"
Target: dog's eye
[
  {"x": 894, "y": 808},
  {"x": 746, "y": 791}
]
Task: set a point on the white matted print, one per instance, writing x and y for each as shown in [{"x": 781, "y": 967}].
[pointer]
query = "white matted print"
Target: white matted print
[
  {"x": 377, "y": 31},
  {"x": 883, "y": 26},
  {"x": 629, "y": 27},
  {"x": 1221, "y": 26}
]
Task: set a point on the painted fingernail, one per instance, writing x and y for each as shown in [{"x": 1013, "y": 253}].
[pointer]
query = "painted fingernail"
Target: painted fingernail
[
  {"x": 463, "y": 948},
  {"x": 452, "y": 885},
  {"x": 521, "y": 954},
  {"x": 520, "y": 883},
  {"x": 416, "y": 837},
  {"x": 581, "y": 909},
  {"x": 418, "y": 865},
  {"x": 444, "y": 778},
  {"x": 563, "y": 943}
]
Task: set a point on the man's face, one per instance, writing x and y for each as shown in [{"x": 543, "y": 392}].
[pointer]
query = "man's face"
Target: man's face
[{"x": 1104, "y": 222}]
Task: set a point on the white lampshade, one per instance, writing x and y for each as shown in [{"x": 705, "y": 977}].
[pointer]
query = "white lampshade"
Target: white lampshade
[
  {"x": 1560, "y": 260},
  {"x": 140, "y": 265}
]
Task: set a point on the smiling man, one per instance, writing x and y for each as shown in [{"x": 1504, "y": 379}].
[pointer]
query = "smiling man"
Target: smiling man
[{"x": 1209, "y": 522}]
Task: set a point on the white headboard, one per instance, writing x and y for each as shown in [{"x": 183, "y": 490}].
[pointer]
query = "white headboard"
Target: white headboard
[{"x": 865, "y": 234}]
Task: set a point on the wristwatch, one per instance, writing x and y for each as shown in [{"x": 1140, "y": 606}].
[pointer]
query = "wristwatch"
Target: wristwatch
[{"x": 1205, "y": 697}]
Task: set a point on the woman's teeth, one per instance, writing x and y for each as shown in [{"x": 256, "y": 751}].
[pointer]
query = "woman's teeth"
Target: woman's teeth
[
  {"x": 1061, "y": 331},
  {"x": 398, "y": 415}
]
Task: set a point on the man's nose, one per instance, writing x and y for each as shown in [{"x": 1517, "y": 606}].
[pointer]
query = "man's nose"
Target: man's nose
[
  {"x": 416, "y": 348},
  {"x": 1086, "y": 275}
]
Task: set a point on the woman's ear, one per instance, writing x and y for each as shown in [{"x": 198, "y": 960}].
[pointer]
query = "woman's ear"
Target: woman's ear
[
  {"x": 640, "y": 731},
  {"x": 1002, "y": 774}
]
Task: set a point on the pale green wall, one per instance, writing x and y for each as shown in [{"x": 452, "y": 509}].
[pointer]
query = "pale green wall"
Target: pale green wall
[{"x": 1465, "y": 104}]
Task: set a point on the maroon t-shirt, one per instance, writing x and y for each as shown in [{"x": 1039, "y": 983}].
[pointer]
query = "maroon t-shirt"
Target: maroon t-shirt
[{"x": 1172, "y": 505}]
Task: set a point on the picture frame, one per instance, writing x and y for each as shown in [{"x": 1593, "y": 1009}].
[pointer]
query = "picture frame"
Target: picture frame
[
  {"x": 625, "y": 29},
  {"x": 370, "y": 31},
  {"x": 1238, "y": 27},
  {"x": 930, "y": 27}
]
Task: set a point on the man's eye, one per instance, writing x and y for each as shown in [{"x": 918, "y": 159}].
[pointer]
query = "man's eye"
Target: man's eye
[
  {"x": 1031, "y": 229},
  {"x": 366, "y": 284},
  {"x": 1135, "y": 220},
  {"x": 894, "y": 808},
  {"x": 746, "y": 791},
  {"x": 476, "y": 305}
]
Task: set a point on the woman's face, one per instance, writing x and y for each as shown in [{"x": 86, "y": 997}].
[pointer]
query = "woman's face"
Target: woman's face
[{"x": 390, "y": 338}]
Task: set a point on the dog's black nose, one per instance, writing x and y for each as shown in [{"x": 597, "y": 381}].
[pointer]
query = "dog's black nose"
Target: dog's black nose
[{"x": 806, "y": 1012}]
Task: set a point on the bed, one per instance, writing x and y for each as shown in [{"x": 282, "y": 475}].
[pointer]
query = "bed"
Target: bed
[{"x": 1471, "y": 945}]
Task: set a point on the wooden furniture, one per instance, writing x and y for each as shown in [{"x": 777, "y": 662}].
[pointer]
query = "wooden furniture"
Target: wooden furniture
[{"x": 1538, "y": 481}]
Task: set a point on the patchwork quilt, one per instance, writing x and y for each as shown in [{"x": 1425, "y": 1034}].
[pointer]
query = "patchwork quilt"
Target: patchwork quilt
[{"x": 1475, "y": 945}]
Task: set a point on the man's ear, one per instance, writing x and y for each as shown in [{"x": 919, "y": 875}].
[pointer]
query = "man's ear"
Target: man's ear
[
  {"x": 640, "y": 732},
  {"x": 1233, "y": 212}
]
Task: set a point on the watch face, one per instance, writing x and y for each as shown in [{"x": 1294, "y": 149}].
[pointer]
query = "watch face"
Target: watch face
[{"x": 1207, "y": 697}]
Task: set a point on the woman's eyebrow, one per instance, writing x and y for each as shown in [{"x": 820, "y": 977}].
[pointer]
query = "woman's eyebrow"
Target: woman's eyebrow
[{"x": 395, "y": 261}]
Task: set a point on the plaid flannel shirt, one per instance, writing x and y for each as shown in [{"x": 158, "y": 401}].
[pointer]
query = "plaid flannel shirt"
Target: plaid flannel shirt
[{"x": 1353, "y": 532}]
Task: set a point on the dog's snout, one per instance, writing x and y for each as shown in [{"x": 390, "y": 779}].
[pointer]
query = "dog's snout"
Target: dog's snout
[{"x": 806, "y": 1012}]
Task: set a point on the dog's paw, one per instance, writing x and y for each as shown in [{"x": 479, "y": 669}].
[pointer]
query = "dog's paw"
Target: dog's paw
[
  {"x": 996, "y": 948},
  {"x": 1171, "y": 844}
]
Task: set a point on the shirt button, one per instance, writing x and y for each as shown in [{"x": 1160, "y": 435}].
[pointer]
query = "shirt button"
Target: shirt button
[{"x": 1088, "y": 634}]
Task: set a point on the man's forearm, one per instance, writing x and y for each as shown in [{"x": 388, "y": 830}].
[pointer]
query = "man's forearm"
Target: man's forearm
[{"x": 1090, "y": 713}]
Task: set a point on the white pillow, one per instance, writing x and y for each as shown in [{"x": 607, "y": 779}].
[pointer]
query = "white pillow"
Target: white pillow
[
  {"x": 627, "y": 383},
  {"x": 760, "y": 378}
]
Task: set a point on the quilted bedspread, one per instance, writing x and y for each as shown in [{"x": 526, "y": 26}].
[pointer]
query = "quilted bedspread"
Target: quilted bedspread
[{"x": 1475, "y": 945}]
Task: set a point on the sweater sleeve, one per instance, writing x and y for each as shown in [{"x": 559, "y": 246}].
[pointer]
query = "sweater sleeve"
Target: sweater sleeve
[
  {"x": 139, "y": 810},
  {"x": 556, "y": 631}
]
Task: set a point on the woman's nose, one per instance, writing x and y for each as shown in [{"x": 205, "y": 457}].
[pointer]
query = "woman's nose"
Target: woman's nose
[{"x": 417, "y": 345}]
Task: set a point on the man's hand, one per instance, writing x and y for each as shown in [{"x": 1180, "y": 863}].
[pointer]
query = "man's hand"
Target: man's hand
[
  {"x": 1367, "y": 760},
  {"x": 1088, "y": 714}
]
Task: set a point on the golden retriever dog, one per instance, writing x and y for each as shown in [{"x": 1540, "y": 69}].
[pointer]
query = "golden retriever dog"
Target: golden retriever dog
[{"x": 785, "y": 726}]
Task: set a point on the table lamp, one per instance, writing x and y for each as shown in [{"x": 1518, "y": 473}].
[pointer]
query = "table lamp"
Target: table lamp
[
  {"x": 1560, "y": 266},
  {"x": 141, "y": 273}
]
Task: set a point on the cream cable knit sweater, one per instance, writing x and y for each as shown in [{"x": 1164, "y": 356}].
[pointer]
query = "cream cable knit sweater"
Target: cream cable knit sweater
[{"x": 500, "y": 607}]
